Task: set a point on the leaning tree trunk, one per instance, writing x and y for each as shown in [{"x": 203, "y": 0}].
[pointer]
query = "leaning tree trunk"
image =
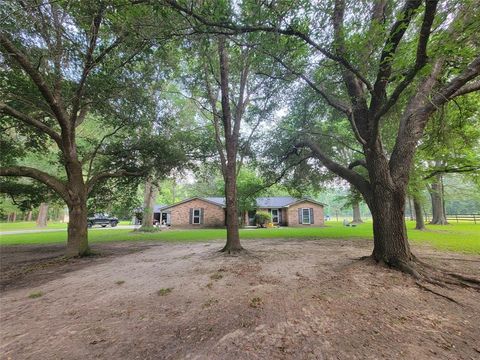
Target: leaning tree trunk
[
  {"x": 419, "y": 221},
  {"x": 233, "y": 234},
  {"x": 438, "y": 209},
  {"x": 148, "y": 204},
  {"x": 42, "y": 215},
  {"x": 357, "y": 218}
]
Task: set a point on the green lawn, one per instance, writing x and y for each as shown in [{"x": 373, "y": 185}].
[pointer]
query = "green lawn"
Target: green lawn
[
  {"x": 32, "y": 225},
  {"x": 462, "y": 237}
]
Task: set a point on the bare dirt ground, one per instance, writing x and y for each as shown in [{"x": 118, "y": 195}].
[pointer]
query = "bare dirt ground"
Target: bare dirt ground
[{"x": 284, "y": 299}]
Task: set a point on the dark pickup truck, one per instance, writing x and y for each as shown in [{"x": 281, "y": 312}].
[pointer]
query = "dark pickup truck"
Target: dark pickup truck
[{"x": 102, "y": 220}]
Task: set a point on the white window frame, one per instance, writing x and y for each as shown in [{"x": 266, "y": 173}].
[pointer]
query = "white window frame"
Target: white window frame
[
  {"x": 198, "y": 217},
  {"x": 309, "y": 216}
]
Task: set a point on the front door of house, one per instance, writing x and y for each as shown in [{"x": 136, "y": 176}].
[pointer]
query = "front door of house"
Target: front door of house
[{"x": 275, "y": 216}]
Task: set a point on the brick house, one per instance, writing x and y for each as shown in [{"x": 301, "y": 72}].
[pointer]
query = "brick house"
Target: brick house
[
  {"x": 289, "y": 211},
  {"x": 200, "y": 212}
]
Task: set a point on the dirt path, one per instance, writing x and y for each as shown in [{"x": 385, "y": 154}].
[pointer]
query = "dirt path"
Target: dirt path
[{"x": 284, "y": 300}]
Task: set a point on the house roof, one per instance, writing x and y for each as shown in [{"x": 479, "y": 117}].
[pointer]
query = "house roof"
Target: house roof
[
  {"x": 159, "y": 207},
  {"x": 212, "y": 200},
  {"x": 261, "y": 202},
  {"x": 216, "y": 199},
  {"x": 274, "y": 201},
  {"x": 282, "y": 201}
]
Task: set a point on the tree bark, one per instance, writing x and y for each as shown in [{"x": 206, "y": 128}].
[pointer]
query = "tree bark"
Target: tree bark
[
  {"x": 419, "y": 221},
  {"x": 436, "y": 194},
  {"x": 77, "y": 242},
  {"x": 357, "y": 218},
  {"x": 389, "y": 231},
  {"x": 150, "y": 195},
  {"x": 29, "y": 215},
  {"x": 42, "y": 215},
  {"x": 231, "y": 216}
]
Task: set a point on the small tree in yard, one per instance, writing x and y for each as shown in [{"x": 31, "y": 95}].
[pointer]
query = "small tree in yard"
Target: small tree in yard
[{"x": 226, "y": 83}]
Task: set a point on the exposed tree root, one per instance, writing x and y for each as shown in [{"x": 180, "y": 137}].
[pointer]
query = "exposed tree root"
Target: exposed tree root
[
  {"x": 425, "y": 274},
  {"x": 234, "y": 251},
  {"x": 466, "y": 279},
  {"x": 424, "y": 287}
]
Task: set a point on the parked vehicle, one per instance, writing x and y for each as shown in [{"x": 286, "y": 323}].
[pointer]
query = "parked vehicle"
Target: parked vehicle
[{"x": 102, "y": 220}]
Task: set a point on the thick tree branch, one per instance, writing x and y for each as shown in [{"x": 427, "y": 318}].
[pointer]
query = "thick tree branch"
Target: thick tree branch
[
  {"x": 88, "y": 65},
  {"x": 453, "y": 170},
  {"x": 57, "y": 185},
  {"x": 351, "y": 176},
  {"x": 420, "y": 60},
  {"x": 359, "y": 162},
  {"x": 280, "y": 176},
  {"x": 97, "y": 148},
  {"x": 455, "y": 85},
  {"x": 37, "y": 78},
  {"x": 354, "y": 86},
  {"x": 386, "y": 58},
  {"x": 108, "y": 175},
  {"x": 215, "y": 119},
  {"x": 319, "y": 89},
  {"x": 224, "y": 89},
  {"x": 418, "y": 111},
  {"x": 467, "y": 89},
  {"x": 359, "y": 109},
  {"x": 31, "y": 121},
  {"x": 243, "y": 98}
]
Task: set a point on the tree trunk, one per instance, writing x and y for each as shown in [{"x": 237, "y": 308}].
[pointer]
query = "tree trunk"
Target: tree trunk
[
  {"x": 29, "y": 215},
  {"x": 77, "y": 243},
  {"x": 233, "y": 235},
  {"x": 357, "y": 218},
  {"x": 438, "y": 209},
  {"x": 409, "y": 199},
  {"x": 389, "y": 231},
  {"x": 150, "y": 195},
  {"x": 419, "y": 221},
  {"x": 42, "y": 215},
  {"x": 387, "y": 199}
]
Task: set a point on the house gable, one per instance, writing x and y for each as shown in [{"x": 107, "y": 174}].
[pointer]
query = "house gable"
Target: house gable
[
  {"x": 196, "y": 212},
  {"x": 305, "y": 212}
]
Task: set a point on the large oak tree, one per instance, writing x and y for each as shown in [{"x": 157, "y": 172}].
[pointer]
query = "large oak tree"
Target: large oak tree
[{"x": 65, "y": 65}]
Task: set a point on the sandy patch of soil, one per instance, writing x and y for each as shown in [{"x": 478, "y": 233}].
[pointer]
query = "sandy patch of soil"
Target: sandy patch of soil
[{"x": 285, "y": 299}]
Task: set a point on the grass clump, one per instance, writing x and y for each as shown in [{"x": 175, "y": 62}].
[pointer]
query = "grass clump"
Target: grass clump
[
  {"x": 35, "y": 294},
  {"x": 216, "y": 276},
  {"x": 256, "y": 302},
  {"x": 164, "y": 291}
]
